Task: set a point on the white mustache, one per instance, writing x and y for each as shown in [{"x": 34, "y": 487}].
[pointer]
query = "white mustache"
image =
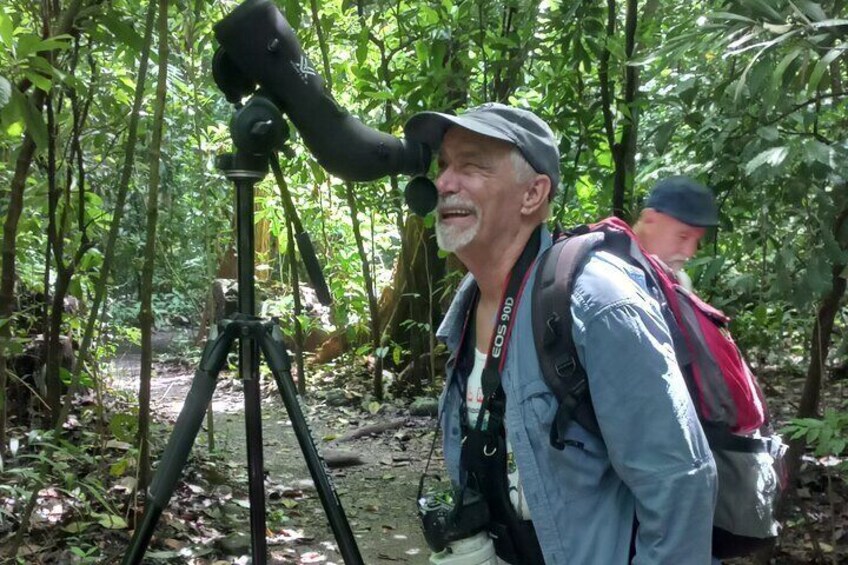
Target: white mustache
[{"x": 456, "y": 201}]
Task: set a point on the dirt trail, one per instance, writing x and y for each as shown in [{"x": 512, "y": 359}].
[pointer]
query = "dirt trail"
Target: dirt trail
[{"x": 378, "y": 496}]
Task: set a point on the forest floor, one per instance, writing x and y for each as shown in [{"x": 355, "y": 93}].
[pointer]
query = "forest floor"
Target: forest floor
[{"x": 376, "y": 476}]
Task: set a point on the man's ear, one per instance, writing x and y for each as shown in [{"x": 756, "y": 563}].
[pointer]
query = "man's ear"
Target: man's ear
[{"x": 536, "y": 195}]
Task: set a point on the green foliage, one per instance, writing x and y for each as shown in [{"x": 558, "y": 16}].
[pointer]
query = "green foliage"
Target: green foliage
[
  {"x": 745, "y": 95},
  {"x": 748, "y": 96},
  {"x": 826, "y": 436},
  {"x": 70, "y": 468}
]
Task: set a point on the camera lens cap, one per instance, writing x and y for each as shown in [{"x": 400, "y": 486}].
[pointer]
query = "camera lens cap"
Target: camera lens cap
[{"x": 421, "y": 195}]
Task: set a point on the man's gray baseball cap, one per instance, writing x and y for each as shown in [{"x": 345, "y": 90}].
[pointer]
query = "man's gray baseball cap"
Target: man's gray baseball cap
[
  {"x": 685, "y": 200},
  {"x": 523, "y": 129}
]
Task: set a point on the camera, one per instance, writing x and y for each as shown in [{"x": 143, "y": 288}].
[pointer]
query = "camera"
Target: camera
[{"x": 446, "y": 518}]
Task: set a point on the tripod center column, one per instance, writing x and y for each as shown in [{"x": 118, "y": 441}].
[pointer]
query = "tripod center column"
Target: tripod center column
[{"x": 245, "y": 179}]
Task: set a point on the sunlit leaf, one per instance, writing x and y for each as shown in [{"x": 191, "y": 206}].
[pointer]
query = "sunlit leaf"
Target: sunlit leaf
[
  {"x": 777, "y": 75},
  {"x": 39, "y": 80},
  {"x": 110, "y": 521},
  {"x": 33, "y": 119},
  {"x": 821, "y": 66},
  {"x": 731, "y": 16},
  {"x": 772, "y": 157},
  {"x": 6, "y": 30},
  {"x": 5, "y": 91}
]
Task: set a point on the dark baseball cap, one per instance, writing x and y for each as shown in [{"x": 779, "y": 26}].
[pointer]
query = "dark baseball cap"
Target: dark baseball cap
[
  {"x": 685, "y": 200},
  {"x": 521, "y": 128}
]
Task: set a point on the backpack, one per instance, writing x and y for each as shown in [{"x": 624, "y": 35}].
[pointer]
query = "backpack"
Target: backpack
[{"x": 724, "y": 391}]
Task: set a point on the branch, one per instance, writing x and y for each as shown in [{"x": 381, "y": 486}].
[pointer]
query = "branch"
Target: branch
[
  {"x": 603, "y": 76},
  {"x": 811, "y": 101}
]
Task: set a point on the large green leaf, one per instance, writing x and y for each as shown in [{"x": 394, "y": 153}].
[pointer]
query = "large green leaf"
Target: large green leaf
[
  {"x": 765, "y": 9},
  {"x": 294, "y": 12},
  {"x": 33, "y": 119},
  {"x": 773, "y": 157},
  {"x": 777, "y": 75},
  {"x": 663, "y": 135},
  {"x": 812, "y": 10},
  {"x": 7, "y": 30},
  {"x": 815, "y": 150},
  {"x": 122, "y": 31},
  {"x": 822, "y": 66}
]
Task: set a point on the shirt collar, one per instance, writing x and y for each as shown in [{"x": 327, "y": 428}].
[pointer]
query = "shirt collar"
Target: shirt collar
[{"x": 450, "y": 330}]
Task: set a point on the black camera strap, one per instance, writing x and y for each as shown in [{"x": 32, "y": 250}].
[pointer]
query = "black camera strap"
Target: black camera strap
[
  {"x": 484, "y": 447},
  {"x": 484, "y": 450},
  {"x": 494, "y": 399}
]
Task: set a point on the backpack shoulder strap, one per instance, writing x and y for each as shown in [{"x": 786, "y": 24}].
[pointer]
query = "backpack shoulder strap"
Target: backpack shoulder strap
[{"x": 552, "y": 324}]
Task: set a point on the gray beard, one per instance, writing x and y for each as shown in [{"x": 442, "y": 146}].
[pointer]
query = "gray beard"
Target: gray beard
[{"x": 452, "y": 239}]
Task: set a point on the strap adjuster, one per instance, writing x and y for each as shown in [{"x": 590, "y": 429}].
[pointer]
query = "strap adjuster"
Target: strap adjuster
[
  {"x": 566, "y": 367},
  {"x": 551, "y": 329}
]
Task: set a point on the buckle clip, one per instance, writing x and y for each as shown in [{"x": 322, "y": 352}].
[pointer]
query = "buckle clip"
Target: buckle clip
[{"x": 566, "y": 368}]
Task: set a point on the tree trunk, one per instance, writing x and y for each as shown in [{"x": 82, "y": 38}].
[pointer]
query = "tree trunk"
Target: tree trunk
[
  {"x": 410, "y": 297},
  {"x": 53, "y": 316},
  {"x": 820, "y": 341},
  {"x": 373, "y": 310},
  {"x": 117, "y": 214},
  {"x": 607, "y": 86},
  {"x": 419, "y": 269},
  {"x": 357, "y": 234},
  {"x": 625, "y": 153},
  {"x": 10, "y": 228},
  {"x": 55, "y": 351},
  {"x": 146, "y": 310},
  {"x": 508, "y": 77}
]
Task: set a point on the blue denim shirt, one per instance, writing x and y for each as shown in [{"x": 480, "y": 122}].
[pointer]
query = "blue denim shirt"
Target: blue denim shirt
[{"x": 653, "y": 460}]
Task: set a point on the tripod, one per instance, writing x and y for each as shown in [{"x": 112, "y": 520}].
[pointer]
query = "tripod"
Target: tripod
[{"x": 258, "y": 130}]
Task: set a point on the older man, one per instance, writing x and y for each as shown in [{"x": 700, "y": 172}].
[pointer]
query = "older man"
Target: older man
[
  {"x": 675, "y": 218},
  {"x": 646, "y": 491}
]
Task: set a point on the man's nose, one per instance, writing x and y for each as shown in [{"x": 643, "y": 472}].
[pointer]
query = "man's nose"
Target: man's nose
[{"x": 446, "y": 182}]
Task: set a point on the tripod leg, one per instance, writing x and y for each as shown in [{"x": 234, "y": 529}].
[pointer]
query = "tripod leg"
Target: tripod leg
[
  {"x": 277, "y": 357},
  {"x": 249, "y": 373},
  {"x": 180, "y": 443}
]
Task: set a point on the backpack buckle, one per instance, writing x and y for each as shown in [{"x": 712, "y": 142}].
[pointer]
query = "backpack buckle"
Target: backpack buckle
[
  {"x": 579, "y": 388},
  {"x": 551, "y": 329},
  {"x": 566, "y": 368}
]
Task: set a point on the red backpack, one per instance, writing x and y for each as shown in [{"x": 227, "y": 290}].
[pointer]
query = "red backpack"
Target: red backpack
[{"x": 724, "y": 391}]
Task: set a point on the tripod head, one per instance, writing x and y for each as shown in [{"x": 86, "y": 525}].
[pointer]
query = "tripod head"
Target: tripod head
[{"x": 259, "y": 131}]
